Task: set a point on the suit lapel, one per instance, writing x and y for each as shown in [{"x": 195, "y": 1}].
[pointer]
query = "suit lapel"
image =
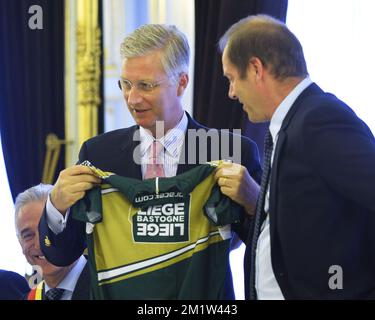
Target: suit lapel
[
  {"x": 311, "y": 90},
  {"x": 273, "y": 186},
  {"x": 129, "y": 160},
  {"x": 184, "y": 164},
  {"x": 82, "y": 288}
]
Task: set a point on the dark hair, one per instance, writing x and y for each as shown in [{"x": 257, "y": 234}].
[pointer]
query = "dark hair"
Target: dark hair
[{"x": 269, "y": 40}]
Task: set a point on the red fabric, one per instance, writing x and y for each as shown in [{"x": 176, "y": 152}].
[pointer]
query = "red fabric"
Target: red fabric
[
  {"x": 31, "y": 295},
  {"x": 155, "y": 166}
]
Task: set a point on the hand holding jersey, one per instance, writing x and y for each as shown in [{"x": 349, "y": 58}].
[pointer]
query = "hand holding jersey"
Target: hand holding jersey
[
  {"x": 71, "y": 186},
  {"x": 236, "y": 183}
]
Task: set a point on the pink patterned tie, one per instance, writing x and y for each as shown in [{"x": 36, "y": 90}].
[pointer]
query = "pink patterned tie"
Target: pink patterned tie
[{"x": 154, "y": 166}]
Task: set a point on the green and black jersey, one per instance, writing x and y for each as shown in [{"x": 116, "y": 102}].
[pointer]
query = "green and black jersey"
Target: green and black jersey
[{"x": 162, "y": 238}]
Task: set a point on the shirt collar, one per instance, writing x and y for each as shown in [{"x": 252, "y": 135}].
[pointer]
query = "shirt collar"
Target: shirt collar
[
  {"x": 70, "y": 280},
  {"x": 283, "y": 108},
  {"x": 171, "y": 141}
]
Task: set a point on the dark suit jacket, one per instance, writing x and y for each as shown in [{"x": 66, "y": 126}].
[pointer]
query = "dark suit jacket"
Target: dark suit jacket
[
  {"x": 82, "y": 288},
  {"x": 113, "y": 151},
  {"x": 12, "y": 286},
  {"x": 322, "y": 202}
]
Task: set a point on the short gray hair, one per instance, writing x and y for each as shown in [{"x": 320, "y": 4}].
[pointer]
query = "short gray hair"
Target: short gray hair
[
  {"x": 167, "y": 38},
  {"x": 33, "y": 194}
]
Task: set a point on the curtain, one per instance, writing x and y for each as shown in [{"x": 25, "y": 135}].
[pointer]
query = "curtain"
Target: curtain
[
  {"x": 212, "y": 106},
  {"x": 101, "y": 82},
  {"x": 31, "y": 87}
]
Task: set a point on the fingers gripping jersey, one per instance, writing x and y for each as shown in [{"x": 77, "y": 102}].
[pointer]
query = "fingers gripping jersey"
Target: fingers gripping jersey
[{"x": 162, "y": 238}]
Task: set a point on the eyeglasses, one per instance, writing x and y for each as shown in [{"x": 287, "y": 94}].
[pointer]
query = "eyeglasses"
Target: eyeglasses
[{"x": 142, "y": 86}]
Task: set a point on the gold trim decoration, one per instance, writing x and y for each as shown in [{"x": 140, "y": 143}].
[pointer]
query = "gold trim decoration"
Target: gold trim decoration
[
  {"x": 88, "y": 34},
  {"x": 53, "y": 144},
  {"x": 82, "y": 74}
]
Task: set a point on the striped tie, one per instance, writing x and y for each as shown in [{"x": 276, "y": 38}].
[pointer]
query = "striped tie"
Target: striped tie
[
  {"x": 259, "y": 212},
  {"x": 154, "y": 166}
]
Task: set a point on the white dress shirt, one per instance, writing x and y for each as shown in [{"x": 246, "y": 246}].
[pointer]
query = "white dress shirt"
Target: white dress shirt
[
  {"x": 265, "y": 282},
  {"x": 172, "y": 143},
  {"x": 70, "y": 280}
]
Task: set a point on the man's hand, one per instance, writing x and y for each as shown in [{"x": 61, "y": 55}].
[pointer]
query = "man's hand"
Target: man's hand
[
  {"x": 235, "y": 182},
  {"x": 71, "y": 186}
]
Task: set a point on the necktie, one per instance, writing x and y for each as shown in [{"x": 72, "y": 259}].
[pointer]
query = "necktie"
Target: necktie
[
  {"x": 54, "y": 294},
  {"x": 259, "y": 212},
  {"x": 154, "y": 166}
]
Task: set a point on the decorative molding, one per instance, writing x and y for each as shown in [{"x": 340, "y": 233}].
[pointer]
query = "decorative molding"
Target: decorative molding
[
  {"x": 53, "y": 148},
  {"x": 88, "y": 69},
  {"x": 82, "y": 73}
]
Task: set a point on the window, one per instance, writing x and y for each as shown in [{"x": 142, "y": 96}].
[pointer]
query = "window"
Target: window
[
  {"x": 11, "y": 257},
  {"x": 337, "y": 38}
]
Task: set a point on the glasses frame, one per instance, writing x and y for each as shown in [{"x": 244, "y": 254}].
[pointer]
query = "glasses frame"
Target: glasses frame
[{"x": 141, "y": 85}]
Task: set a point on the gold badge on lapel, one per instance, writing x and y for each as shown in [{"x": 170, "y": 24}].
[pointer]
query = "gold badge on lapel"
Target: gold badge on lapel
[{"x": 47, "y": 242}]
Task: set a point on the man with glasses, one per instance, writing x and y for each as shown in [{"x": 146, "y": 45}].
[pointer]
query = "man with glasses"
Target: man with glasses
[{"x": 153, "y": 80}]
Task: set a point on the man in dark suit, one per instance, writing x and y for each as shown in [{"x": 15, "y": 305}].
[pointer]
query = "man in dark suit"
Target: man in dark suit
[
  {"x": 312, "y": 235},
  {"x": 154, "y": 78},
  {"x": 70, "y": 282}
]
